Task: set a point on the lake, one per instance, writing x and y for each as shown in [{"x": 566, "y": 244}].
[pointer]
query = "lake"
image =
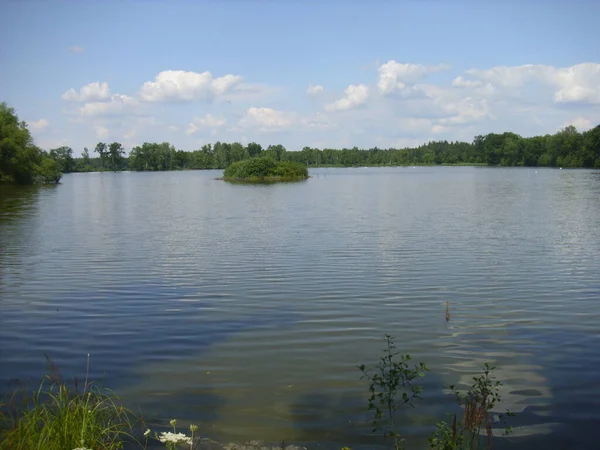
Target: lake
[{"x": 246, "y": 308}]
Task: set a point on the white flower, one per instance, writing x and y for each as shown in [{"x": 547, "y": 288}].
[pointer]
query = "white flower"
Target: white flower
[
  {"x": 175, "y": 438},
  {"x": 147, "y": 432}
]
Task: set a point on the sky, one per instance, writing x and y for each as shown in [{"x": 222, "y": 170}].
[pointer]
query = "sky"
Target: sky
[{"x": 318, "y": 73}]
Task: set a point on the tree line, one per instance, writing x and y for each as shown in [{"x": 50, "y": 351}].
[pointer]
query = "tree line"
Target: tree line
[
  {"x": 566, "y": 148},
  {"x": 22, "y": 162}
]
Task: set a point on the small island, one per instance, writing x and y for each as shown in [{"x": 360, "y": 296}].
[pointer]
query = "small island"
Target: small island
[{"x": 265, "y": 170}]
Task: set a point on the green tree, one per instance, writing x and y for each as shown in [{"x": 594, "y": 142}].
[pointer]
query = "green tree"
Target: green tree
[
  {"x": 20, "y": 160},
  {"x": 254, "y": 149},
  {"x": 102, "y": 151},
  {"x": 115, "y": 153},
  {"x": 591, "y": 147},
  {"x": 64, "y": 157}
]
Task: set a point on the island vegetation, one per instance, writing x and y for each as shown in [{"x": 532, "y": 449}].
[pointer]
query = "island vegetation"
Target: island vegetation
[
  {"x": 22, "y": 162},
  {"x": 264, "y": 169}
]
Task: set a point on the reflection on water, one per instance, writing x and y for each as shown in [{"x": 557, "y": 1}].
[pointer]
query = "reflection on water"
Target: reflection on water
[{"x": 247, "y": 308}]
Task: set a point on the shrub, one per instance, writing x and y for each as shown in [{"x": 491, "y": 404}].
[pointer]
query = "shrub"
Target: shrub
[
  {"x": 257, "y": 169},
  {"x": 391, "y": 386}
]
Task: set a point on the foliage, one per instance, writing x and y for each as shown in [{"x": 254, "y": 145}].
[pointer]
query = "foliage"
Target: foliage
[
  {"x": 64, "y": 157},
  {"x": 477, "y": 403},
  {"x": 59, "y": 416},
  {"x": 392, "y": 386},
  {"x": 265, "y": 168},
  {"x": 20, "y": 160},
  {"x": 566, "y": 148},
  {"x": 47, "y": 172}
]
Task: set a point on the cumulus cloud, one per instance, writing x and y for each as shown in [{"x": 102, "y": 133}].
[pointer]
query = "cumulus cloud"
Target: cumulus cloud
[
  {"x": 76, "y": 49},
  {"x": 354, "y": 95},
  {"x": 580, "y": 83},
  {"x": 39, "y": 125},
  {"x": 178, "y": 85},
  {"x": 461, "y": 82},
  {"x": 396, "y": 76},
  {"x": 465, "y": 110},
  {"x": 395, "y": 104},
  {"x": 314, "y": 89},
  {"x": 576, "y": 84},
  {"x": 90, "y": 92},
  {"x": 116, "y": 105},
  {"x": 208, "y": 121},
  {"x": 266, "y": 119}
]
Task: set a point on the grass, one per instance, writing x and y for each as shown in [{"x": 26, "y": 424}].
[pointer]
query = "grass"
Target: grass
[{"x": 61, "y": 416}]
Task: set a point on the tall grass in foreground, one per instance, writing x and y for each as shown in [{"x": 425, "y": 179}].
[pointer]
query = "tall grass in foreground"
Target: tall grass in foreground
[{"x": 61, "y": 416}]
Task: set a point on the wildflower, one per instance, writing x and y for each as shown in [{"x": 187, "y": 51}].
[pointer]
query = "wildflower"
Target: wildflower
[
  {"x": 174, "y": 438},
  {"x": 193, "y": 428},
  {"x": 173, "y": 422},
  {"x": 147, "y": 432}
]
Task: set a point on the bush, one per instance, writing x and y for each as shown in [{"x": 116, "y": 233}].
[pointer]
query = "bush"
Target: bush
[
  {"x": 48, "y": 171},
  {"x": 265, "y": 169}
]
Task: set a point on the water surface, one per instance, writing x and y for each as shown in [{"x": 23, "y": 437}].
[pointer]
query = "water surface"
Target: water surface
[{"x": 245, "y": 308}]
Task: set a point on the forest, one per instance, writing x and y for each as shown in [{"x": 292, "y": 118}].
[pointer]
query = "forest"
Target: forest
[
  {"x": 566, "y": 148},
  {"x": 22, "y": 162}
]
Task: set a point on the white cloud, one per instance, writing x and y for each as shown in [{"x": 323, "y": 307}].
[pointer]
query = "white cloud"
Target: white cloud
[
  {"x": 461, "y": 82},
  {"x": 396, "y": 76},
  {"x": 576, "y": 84},
  {"x": 581, "y": 123},
  {"x": 90, "y": 92},
  {"x": 314, "y": 89},
  {"x": 76, "y": 49},
  {"x": 101, "y": 132},
  {"x": 208, "y": 121},
  {"x": 317, "y": 122},
  {"x": 118, "y": 104},
  {"x": 528, "y": 100},
  {"x": 178, "y": 85},
  {"x": 465, "y": 110},
  {"x": 511, "y": 77},
  {"x": 266, "y": 119},
  {"x": 437, "y": 129},
  {"x": 39, "y": 125},
  {"x": 354, "y": 95},
  {"x": 580, "y": 83}
]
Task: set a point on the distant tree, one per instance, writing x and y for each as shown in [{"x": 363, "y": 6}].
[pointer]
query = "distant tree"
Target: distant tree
[
  {"x": 102, "y": 151},
  {"x": 64, "y": 157},
  {"x": 276, "y": 152},
  {"x": 115, "y": 153},
  {"x": 254, "y": 149},
  {"x": 591, "y": 147}
]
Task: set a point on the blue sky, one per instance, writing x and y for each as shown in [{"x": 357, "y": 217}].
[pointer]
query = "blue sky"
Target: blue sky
[{"x": 328, "y": 73}]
